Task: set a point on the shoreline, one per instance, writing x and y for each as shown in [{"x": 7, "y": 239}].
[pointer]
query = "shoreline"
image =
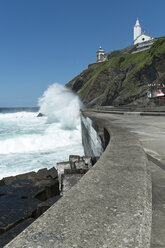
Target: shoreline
[{"x": 27, "y": 196}]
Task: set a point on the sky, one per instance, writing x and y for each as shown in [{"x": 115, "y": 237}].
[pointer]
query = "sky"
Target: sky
[{"x": 48, "y": 41}]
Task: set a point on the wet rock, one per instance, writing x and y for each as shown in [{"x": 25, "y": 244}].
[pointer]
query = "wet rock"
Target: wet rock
[
  {"x": 52, "y": 173},
  {"x": 48, "y": 191},
  {"x": 42, "y": 207},
  {"x": 20, "y": 188},
  {"x": 13, "y": 210},
  {"x": 12, "y": 233},
  {"x": 21, "y": 196},
  {"x": 40, "y": 115},
  {"x": 32, "y": 184}
]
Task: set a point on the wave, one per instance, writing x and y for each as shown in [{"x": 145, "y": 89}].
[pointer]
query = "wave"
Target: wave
[
  {"x": 53, "y": 137},
  {"x": 24, "y": 132},
  {"x": 61, "y": 105}
]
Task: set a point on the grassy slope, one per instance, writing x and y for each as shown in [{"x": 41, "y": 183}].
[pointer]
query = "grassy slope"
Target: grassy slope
[{"x": 133, "y": 63}]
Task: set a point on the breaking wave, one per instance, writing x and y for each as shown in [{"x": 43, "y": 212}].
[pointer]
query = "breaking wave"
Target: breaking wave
[
  {"x": 28, "y": 142},
  {"x": 60, "y": 105}
]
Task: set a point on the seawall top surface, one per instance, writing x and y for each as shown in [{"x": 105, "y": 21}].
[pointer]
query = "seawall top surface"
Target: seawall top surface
[{"x": 110, "y": 207}]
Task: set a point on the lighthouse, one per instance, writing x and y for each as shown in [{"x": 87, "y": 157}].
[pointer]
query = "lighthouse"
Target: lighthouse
[
  {"x": 141, "y": 36},
  {"x": 100, "y": 55},
  {"x": 137, "y": 30}
]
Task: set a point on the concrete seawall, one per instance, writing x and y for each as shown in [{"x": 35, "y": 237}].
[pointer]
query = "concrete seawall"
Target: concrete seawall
[{"x": 110, "y": 207}]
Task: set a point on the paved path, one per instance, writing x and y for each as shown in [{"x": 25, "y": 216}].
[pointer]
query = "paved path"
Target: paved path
[
  {"x": 151, "y": 132},
  {"x": 149, "y": 129}
]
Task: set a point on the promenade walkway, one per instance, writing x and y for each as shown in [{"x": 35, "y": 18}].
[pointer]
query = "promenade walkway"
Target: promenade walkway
[{"x": 149, "y": 128}]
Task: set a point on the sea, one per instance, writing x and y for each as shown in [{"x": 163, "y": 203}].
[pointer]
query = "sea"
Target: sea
[{"x": 29, "y": 143}]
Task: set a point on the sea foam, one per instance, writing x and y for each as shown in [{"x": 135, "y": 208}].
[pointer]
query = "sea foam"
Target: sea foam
[
  {"x": 28, "y": 142},
  {"x": 59, "y": 104}
]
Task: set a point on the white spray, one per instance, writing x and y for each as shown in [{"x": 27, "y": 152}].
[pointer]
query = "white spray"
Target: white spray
[
  {"x": 58, "y": 133},
  {"x": 30, "y": 143},
  {"x": 59, "y": 104}
]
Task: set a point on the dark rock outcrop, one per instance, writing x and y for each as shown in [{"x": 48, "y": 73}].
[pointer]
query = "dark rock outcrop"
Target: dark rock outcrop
[
  {"x": 23, "y": 198},
  {"x": 40, "y": 115},
  {"x": 123, "y": 79},
  {"x": 43, "y": 206},
  {"x": 13, "y": 232}
]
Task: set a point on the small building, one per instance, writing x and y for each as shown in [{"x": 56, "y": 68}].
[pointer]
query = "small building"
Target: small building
[
  {"x": 100, "y": 55},
  {"x": 141, "y": 42},
  {"x": 140, "y": 35}
]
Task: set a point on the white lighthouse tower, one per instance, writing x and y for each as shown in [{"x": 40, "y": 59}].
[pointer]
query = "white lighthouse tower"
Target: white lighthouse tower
[
  {"x": 100, "y": 55},
  {"x": 141, "y": 36},
  {"x": 137, "y": 30}
]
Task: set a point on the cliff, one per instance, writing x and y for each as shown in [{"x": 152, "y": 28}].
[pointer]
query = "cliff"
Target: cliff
[{"x": 123, "y": 79}]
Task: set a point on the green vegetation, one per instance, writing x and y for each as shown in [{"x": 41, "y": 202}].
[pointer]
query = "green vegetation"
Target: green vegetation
[
  {"x": 94, "y": 75},
  {"x": 109, "y": 74},
  {"x": 158, "y": 47},
  {"x": 133, "y": 88},
  {"x": 87, "y": 86}
]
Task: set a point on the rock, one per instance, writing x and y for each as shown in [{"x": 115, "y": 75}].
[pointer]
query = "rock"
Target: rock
[
  {"x": 33, "y": 176},
  {"x": 25, "y": 197},
  {"x": 13, "y": 210},
  {"x": 48, "y": 191},
  {"x": 43, "y": 206},
  {"x": 21, "y": 196},
  {"x": 20, "y": 189},
  {"x": 52, "y": 173},
  {"x": 40, "y": 115},
  {"x": 2, "y": 183},
  {"x": 12, "y": 233},
  {"x": 78, "y": 84},
  {"x": 7, "y": 180}
]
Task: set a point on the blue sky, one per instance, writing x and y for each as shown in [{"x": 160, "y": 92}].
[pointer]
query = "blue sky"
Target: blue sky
[{"x": 47, "y": 41}]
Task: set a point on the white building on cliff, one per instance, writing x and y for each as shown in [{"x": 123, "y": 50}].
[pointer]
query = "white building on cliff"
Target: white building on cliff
[
  {"x": 100, "y": 55},
  {"x": 141, "y": 42},
  {"x": 140, "y": 35}
]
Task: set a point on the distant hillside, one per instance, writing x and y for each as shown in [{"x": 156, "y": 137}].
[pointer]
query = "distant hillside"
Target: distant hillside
[{"x": 123, "y": 79}]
